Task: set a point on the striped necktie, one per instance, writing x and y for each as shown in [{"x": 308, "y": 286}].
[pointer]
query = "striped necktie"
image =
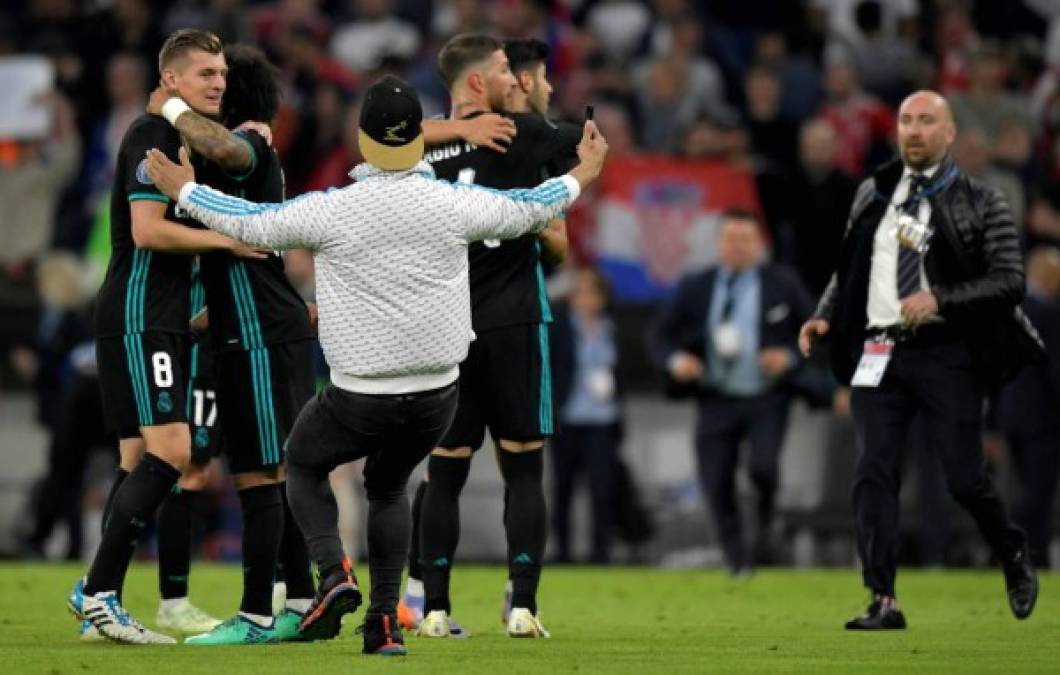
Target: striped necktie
[{"x": 908, "y": 276}]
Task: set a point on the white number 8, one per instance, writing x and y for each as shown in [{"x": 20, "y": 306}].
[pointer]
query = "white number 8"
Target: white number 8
[{"x": 163, "y": 369}]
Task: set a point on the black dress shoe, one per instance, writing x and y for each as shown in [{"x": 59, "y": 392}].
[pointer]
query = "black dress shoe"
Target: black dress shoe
[
  {"x": 1021, "y": 582},
  {"x": 878, "y": 617}
]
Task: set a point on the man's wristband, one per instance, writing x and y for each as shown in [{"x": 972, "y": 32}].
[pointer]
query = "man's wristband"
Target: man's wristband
[{"x": 173, "y": 108}]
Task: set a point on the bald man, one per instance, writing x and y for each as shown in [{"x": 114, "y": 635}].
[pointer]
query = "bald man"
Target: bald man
[{"x": 922, "y": 315}]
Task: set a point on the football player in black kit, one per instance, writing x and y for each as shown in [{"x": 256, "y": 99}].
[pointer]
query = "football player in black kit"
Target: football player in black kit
[
  {"x": 262, "y": 340},
  {"x": 505, "y": 383},
  {"x": 142, "y": 334}
]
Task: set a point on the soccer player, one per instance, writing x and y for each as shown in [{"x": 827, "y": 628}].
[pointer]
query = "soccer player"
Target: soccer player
[
  {"x": 183, "y": 508},
  {"x": 532, "y": 93},
  {"x": 142, "y": 331},
  {"x": 505, "y": 382},
  {"x": 263, "y": 340}
]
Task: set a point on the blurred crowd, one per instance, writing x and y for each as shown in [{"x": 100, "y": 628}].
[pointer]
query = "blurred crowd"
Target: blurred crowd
[{"x": 799, "y": 93}]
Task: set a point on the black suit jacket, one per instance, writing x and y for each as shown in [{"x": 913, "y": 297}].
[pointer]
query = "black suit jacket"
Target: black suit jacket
[
  {"x": 682, "y": 323},
  {"x": 974, "y": 266}
]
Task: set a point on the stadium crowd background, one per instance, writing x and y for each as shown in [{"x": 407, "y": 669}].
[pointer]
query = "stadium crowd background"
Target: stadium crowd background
[{"x": 780, "y": 106}]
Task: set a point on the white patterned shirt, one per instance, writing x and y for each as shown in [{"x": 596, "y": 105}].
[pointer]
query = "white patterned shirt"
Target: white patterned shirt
[{"x": 391, "y": 263}]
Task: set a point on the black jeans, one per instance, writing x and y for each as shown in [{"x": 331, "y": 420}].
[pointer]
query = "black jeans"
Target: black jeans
[
  {"x": 395, "y": 433},
  {"x": 937, "y": 381},
  {"x": 722, "y": 425},
  {"x": 592, "y": 449}
]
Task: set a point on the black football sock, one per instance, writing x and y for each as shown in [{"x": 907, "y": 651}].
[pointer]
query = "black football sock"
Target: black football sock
[
  {"x": 294, "y": 556},
  {"x": 524, "y": 523},
  {"x": 134, "y": 504},
  {"x": 177, "y": 519},
  {"x": 262, "y": 531},
  {"x": 414, "y": 537},
  {"x": 120, "y": 475},
  {"x": 440, "y": 527}
]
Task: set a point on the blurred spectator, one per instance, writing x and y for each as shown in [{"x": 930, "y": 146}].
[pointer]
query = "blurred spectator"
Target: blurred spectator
[
  {"x": 718, "y": 136},
  {"x": 62, "y": 326},
  {"x": 666, "y": 104},
  {"x": 820, "y": 200},
  {"x": 863, "y": 123},
  {"x": 306, "y": 56},
  {"x": 800, "y": 79},
  {"x": 954, "y": 38},
  {"x": 728, "y": 338},
  {"x": 772, "y": 136},
  {"x": 698, "y": 80},
  {"x": 228, "y": 19},
  {"x": 986, "y": 104},
  {"x": 452, "y": 17},
  {"x": 620, "y": 26},
  {"x": 33, "y": 175},
  {"x": 1027, "y": 409},
  {"x": 857, "y": 21},
  {"x": 127, "y": 91},
  {"x": 331, "y": 167},
  {"x": 884, "y": 55},
  {"x": 584, "y": 353},
  {"x": 320, "y": 134},
  {"x": 271, "y": 23},
  {"x": 376, "y": 33},
  {"x": 973, "y": 155}
]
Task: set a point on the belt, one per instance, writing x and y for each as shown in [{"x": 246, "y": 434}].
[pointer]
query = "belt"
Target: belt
[{"x": 925, "y": 335}]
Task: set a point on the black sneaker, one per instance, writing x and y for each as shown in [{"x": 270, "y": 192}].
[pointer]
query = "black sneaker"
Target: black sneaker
[
  {"x": 382, "y": 635},
  {"x": 338, "y": 594},
  {"x": 878, "y": 617},
  {"x": 1021, "y": 582}
]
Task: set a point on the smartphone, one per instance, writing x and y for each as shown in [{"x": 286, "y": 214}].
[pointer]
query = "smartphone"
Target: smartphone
[{"x": 588, "y": 112}]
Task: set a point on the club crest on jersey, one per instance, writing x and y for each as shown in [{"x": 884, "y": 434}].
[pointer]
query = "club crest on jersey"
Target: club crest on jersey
[
  {"x": 202, "y": 437},
  {"x": 141, "y": 173},
  {"x": 165, "y": 403},
  {"x": 391, "y": 132}
]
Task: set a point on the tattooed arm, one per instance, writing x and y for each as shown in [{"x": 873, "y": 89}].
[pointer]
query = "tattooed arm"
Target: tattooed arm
[{"x": 206, "y": 137}]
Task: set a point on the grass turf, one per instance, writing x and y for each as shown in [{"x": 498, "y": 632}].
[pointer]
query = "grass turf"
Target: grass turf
[{"x": 610, "y": 621}]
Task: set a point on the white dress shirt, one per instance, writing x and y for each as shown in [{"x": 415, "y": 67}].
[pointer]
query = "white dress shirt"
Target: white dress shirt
[{"x": 884, "y": 309}]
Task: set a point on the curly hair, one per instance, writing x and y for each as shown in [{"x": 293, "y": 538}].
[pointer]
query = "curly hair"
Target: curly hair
[{"x": 251, "y": 92}]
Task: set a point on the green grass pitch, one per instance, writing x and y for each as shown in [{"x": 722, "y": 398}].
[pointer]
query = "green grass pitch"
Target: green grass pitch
[{"x": 618, "y": 620}]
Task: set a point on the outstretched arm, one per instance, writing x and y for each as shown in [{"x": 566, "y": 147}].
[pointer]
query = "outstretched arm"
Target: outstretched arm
[
  {"x": 299, "y": 223},
  {"x": 495, "y": 214}
]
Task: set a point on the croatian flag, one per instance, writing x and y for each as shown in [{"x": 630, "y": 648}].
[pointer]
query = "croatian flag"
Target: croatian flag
[{"x": 657, "y": 218}]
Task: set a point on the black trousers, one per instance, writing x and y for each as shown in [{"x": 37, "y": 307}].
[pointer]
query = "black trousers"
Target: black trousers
[
  {"x": 591, "y": 449},
  {"x": 937, "y": 380},
  {"x": 395, "y": 433},
  {"x": 79, "y": 431},
  {"x": 1036, "y": 458},
  {"x": 722, "y": 425}
]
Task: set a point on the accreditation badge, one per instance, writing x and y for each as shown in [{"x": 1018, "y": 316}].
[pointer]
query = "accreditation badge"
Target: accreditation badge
[
  {"x": 873, "y": 363},
  {"x": 727, "y": 340},
  {"x": 912, "y": 233}
]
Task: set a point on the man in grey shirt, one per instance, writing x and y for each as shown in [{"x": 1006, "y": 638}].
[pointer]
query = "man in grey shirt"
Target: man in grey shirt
[{"x": 395, "y": 322}]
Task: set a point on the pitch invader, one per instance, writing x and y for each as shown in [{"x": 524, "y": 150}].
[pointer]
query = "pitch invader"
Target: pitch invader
[
  {"x": 141, "y": 327},
  {"x": 505, "y": 383},
  {"x": 262, "y": 340}
]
